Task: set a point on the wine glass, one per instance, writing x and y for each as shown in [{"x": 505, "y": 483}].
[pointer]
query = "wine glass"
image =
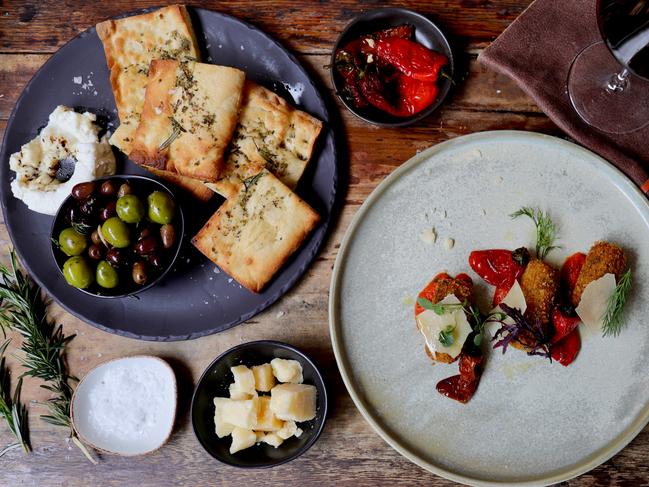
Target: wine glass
[{"x": 608, "y": 82}]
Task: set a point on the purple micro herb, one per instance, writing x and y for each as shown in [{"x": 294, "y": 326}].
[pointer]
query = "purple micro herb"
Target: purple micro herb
[{"x": 522, "y": 328}]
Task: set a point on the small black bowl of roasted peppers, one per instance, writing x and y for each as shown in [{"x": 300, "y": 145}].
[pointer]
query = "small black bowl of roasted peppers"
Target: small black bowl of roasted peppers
[{"x": 392, "y": 67}]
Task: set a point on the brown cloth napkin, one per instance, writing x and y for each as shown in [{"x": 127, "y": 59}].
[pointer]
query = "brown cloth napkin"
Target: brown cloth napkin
[{"x": 537, "y": 50}]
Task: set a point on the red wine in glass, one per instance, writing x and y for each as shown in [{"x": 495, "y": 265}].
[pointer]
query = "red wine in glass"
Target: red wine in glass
[{"x": 608, "y": 81}]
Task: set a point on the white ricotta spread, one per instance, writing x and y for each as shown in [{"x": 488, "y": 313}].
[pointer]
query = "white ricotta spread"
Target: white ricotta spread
[{"x": 68, "y": 135}]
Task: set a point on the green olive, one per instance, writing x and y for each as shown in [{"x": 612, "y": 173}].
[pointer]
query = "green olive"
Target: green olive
[
  {"x": 72, "y": 242},
  {"x": 77, "y": 272},
  {"x": 130, "y": 208},
  {"x": 162, "y": 208},
  {"x": 116, "y": 232},
  {"x": 107, "y": 276}
]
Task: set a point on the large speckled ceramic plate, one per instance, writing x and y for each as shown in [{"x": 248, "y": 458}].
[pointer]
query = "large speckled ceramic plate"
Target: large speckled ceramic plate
[
  {"x": 530, "y": 422},
  {"x": 195, "y": 298}
]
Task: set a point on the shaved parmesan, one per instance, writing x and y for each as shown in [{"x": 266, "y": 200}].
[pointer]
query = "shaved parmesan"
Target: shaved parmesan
[
  {"x": 594, "y": 301},
  {"x": 514, "y": 299},
  {"x": 431, "y": 325}
]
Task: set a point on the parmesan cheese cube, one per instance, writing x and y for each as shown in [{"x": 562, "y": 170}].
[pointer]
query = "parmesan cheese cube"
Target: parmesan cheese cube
[
  {"x": 293, "y": 402},
  {"x": 221, "y": 427},
  {"x": 238, "y": 394},
  {"x": 244, "y": 379},
  {"x": 266, "y": 420},
  {"x": 289, "y": 428},
  {"x": 264, "y": 378},
  {"x": 240, "y": 413},
  {"x": 241, "y": 439},
  {"x": 287, "y": 370},
  {"x": 272, "y": 439}
]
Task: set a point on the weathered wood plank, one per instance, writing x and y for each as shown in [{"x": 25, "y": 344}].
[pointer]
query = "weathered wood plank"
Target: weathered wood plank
[{"x": 28, "y": 26}]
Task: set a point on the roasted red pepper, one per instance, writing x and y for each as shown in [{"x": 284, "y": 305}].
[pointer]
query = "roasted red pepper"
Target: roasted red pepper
[
  {"x": 563, "y": 324},
  {"x": 404, "y": 31},
  {"x": 461, "y": 387},
  {"x": 411, "y": 58},
  {"x": 414, "y": 95},
  {"x": 380, "y": 70},
  {"x": 571, "y": 269},
  {"x": 496, "y": 266},
  {"x": 429, "y": 291},
  {"x": 567, "y": 349}
]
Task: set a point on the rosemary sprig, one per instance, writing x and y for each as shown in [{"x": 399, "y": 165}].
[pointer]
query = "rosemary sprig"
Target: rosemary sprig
[
  {"x": 11, "y": 409},
  {"x": 612, "y": 322},
  {"x": 22, "y": 309},
  {"x": 176, "y": 130},
  {"x": 546, "y": 230},
  {"x": 252, "y": 180}
]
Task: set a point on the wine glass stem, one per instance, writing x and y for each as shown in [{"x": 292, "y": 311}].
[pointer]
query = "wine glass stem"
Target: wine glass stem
[{"x": 618, "y": 82}]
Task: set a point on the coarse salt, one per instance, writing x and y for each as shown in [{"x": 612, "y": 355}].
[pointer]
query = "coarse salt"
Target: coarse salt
[{"x": 127, "y": 403}]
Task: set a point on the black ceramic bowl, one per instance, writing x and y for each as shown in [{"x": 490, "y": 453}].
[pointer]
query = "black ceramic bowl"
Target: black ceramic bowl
[
  {"x": 426, "y": 33},
  {"x": 214, "y": 383},
  {"x": 142, "y": 186}
]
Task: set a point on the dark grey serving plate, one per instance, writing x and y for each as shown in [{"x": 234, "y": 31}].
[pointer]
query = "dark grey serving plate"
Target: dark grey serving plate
[{"x": 194, "y": 299}]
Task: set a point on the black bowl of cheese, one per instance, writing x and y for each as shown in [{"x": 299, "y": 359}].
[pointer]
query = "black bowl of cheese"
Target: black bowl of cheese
[{"x": 283, "y": 419}]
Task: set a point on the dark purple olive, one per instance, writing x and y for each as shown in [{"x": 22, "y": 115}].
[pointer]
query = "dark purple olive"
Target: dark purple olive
[
  {"x": 156, "y": 261},
  {"x": 168, "y": 235},
  {"x": 90, "y": 206},
  {"x": 83, "y": 191},
  {"x": 96, "y": 239},
  {"x": 108, "y": 189},
  {"x": 81, "y": 222},
  {"x": 147, "y": 246},
  {"x": 124, "y": 189},
  {"x": 108, "y": 211},
  {"x": 139, "y": 273},
  {"x": 145, "y": 232},
  {"x": 96, "y": 251},
  {"x": 116, "y": 257}
]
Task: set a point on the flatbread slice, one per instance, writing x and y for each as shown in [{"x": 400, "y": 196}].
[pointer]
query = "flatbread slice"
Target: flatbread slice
[
  {"x": 193, "y": 186},
  {"x": 188, "y": 118},
  {"x": 130, "y": 44},
  {"x": 270, "y": 134},
  {"x": 253, "y": 234}
]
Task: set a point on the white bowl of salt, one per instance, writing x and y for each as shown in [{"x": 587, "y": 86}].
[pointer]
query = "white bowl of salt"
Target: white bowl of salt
[{"x": 126, "y": 406}]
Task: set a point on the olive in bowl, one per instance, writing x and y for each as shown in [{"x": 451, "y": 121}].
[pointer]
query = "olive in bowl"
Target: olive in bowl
[
  {"x": 217, "y": 382},
  {"x": 117, "y": 236}
]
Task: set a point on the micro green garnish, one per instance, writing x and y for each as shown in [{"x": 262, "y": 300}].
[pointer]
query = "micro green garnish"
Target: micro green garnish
[
  {"x": 43, "y": 343},
  {"x": 176, "y": 130},
  {"x": 546, "y": 231},
  {"x": 478, "y": 320},
  {"x": 440, "y": 308},
  {"x": 612, "y": 323},
  {"x": 11, "y": 409},
  {"x": 252, "y": 180},
  {"x": 535, "y": 338},
  {"x": 446, "y": 337}
]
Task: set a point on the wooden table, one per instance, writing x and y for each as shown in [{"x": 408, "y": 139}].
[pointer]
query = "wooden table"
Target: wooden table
[{"x": 349, "y": 452}]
